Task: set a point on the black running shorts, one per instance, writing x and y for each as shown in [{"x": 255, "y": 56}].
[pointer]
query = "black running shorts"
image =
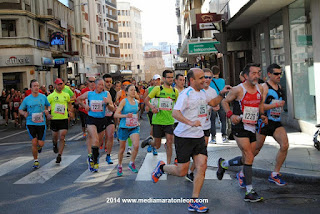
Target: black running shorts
[
  {"x": 188, "y": 147},
  {"x": 38, "y": 132},
  {"x": 160, "y": 131},
  {"x": 242, "y": 133},
  {"x": 100, "y": 123},
  {"x": 57, "y": 125}
]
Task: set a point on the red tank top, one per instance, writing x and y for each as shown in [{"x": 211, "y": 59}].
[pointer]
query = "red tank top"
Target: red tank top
[{"x": 16, "y": 102}]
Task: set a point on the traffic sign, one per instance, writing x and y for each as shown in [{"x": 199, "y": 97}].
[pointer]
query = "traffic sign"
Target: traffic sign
[{"x": 202, "y": 47}]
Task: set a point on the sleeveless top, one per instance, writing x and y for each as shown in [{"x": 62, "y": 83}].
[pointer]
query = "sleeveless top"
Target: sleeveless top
[
  {"x": 129, "y": 108},
  {"x": 96, "y": 104},
  {"x": 274, "y": 96},
  {"x": 248, "y": 107}
]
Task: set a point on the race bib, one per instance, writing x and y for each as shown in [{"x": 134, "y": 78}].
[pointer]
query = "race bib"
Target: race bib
[
  {"x": 250, "y": 115},
  {"x": 202, "y": 109},
  {"x": 275, "y": 112},
  {"x": 108, "y": 112},
  {"x": 96, "y": 105},
  {"x": 16, "y": 104},
  {"x": 132, "y": 122},
  {"x": 165, "y": 104},
  {"x": 37, "y": 117},
  {"x": 5, "y": 106},
  {"x": 60, "y": 109}
]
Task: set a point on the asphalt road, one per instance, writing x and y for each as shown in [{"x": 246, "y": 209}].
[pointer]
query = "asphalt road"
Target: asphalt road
[{"x": 69, "y": 188}]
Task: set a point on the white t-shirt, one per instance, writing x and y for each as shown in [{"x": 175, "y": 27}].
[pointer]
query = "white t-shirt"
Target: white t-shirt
[
  {"x": 211, "y": 94},
  {"x": 193, "y": 106}
]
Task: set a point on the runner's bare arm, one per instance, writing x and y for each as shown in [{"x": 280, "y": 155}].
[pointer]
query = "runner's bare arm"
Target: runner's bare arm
[
  {"x": 118, "y": 97},
  {"x": 81, "y": 98},
  {"x": 118, "y": 114},
  {"x": 178, "y": 116},
  {"x": 214, "y": 102},
  {"x": 109, "y": 102},
  {"x": 232, "y": 95}
]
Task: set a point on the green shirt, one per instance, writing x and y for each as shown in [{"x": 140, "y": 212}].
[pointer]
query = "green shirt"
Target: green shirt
[
  {"x": 164, "y": 101},
  {"x": 68, "y": 90},
  {"x": 59, "y": 105}
]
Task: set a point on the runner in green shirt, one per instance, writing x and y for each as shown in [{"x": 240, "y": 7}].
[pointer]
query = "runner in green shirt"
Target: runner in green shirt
[{"x": 162, "y": 120}]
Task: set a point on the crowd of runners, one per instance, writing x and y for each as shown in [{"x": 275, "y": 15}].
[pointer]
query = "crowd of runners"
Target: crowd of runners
[{"x": 183, "y": 113}]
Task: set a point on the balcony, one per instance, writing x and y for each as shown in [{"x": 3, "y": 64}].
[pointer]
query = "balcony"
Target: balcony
[
  {"x": 112, "y": 17},
  {"x": 114, "y": 55},
  {"x": 115, "y": 30},
  {"x": 113, "y": 42},
  {"x": 111, "y": 4}
]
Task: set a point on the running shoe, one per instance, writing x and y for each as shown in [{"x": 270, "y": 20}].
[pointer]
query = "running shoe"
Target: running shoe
[
  {"x": 90, "y": 163},
  {"x": 157, "y": 172},
  {"x": 241, "y": 181},
  {"x": 176, "y": 161},
  {"x": 213, "y": 140},
  {"x": 252, "y": 196},
  {"x": 119, "y": 171},
  {"x": 132, "y": 167},
  {"x": 95, "y": 167},
  {"x": 55, "y": 148},
  {"x": 39, "y": 148},
  {"x": 198, "y": 207},
  {"x": 128, "y": 152},
  {"x": 58, "y": 160},
  {"x": 108, "y": 160},
  {"x": 146, "y": 142},
  {"x": 36, "y": 164},
  {"x": 189, "y": 177},
  {"x": 225, "y": 139},
  {"x": 277, "y": 180},
  {"x": 149, "y": 148},
  {"x": 221, "y": 170},
  {"x": 154, "y": 151}
]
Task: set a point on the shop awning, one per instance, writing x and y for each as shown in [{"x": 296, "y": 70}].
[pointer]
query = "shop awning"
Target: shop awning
[{"x": 254, "y": 12}]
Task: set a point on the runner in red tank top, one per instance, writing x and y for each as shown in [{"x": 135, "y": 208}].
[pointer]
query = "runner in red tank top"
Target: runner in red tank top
[{"x": 248, "y": 105}]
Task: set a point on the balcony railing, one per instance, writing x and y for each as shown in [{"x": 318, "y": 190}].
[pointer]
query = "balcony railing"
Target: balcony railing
[
  {"x": 115, "y": 30},
  {"x": 113, "y": 42},
  {"x": 111, "y": 4},
  {"x": 114, "y": 55},
  {"x": 111, "y": 17}
]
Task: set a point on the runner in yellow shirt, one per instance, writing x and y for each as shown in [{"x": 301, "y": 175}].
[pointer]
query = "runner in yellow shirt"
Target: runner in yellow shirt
[{"x": 59, "y": 102}]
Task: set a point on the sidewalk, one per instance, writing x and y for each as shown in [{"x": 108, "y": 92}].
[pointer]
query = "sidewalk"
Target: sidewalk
[{"x": 301, "y": 165}]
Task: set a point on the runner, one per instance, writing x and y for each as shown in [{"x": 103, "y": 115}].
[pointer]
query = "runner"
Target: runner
[
  {"x": 180, "y": 82},
  {"x": 156, "y": 81},
  {"x": 34, "y": 109},
  {"x": 189, "y": 136},
  {"x": 141, "y": 104},
  {"x": 162, "y": 119},
  {"x": 128, "y": 111},
  {"x": 211, "y": 94},
  {"x": 16, "y": 100},
  {"x": 110, "y": 128},
  {"x": 98, "y": 101},
  {"x": 248, "y": 104},
  {"x": 273, "y": 104},
  {"x": 5, "y": 106},
  {"x": 59, "y": 102},
  {"x": 82, "y": 112}
]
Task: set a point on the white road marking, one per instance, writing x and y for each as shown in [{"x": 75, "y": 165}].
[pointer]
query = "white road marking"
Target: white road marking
[
  {"x": 13, "y": 164},
  {"x": 77, "y": 135},
  {"x": 47, "y": 171},
  {"x": 12, "y": 135},
  {"x": 148, "y": 165},
  {"x": 211, "y": 174},
  {"x": 105, "y": 170}
]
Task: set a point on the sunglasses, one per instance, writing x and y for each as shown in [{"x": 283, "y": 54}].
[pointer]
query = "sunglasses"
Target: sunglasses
[
  {"x": 277, "y": 74},
  {"x": 208, "y": 77},
  {"x": 108, "y": 81},
  {"x": 91, "y": 81}
]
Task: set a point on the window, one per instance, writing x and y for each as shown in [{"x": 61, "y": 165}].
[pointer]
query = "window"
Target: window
[
  {"x": 125, "y": 46},
  {"x": 98, "y": 8},
  {"x": 120, "y": 35},
  {"x": 119, "y": 23},
  {"x": 124, "y": 35},
  {"x": 121, "y": 45},
  {"x": 101, "y": 37},
  {"x": 118, "y": 12},
  {"x": 8, "y": 28},
  {"x": 128, "y": 35},
  {"x": 123, "y": 24}
]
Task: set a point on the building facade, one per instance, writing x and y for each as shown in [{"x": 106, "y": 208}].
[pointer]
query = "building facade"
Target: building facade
[
  {"x": 130, "y": 33},
  {"x": 154, "y": 63}
]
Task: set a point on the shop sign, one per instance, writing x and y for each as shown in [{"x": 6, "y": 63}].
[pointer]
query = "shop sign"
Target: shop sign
[
  {"x": 205, "y": 21},
  {"x": 59, "y": 61},
  {"x": 57, "y": 38},
  {"x": 304, "y": 40},
  {"x": 17, "y": 60},
  {"x": 202, "y": 47},
  {"x": 46, "y": 61},
  {"x": 42, "y": 68}
]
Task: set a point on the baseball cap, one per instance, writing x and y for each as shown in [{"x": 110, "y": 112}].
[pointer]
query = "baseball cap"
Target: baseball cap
[
  {"x": 157, "y": 76},
  {"x": 73, "y": 85},
  {"x": 58, "y": 81}
]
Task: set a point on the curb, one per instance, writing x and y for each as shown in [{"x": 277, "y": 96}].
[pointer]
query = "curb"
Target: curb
[{"x": 288, "y": 177}]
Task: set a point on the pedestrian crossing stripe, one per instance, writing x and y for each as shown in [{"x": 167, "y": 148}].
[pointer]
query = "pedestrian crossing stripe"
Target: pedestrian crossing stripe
[
  {"x": 105, "y": 170},
  {"x": 49, "y": 170},
  {"x": 46, "y": 172},
  {"x": 13, "y": 164}
]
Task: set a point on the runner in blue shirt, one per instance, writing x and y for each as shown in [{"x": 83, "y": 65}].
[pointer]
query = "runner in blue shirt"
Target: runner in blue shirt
[{"x": 33, "y": 108}]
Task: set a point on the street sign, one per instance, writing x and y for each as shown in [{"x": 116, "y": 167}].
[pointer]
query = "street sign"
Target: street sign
[{"x": 202, "y": 47}]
